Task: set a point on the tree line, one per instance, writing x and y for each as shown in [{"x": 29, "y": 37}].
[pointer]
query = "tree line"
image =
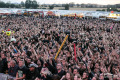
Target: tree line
[
  {"x": 66, "y": 7},
  {"x": 9, "y": 5},
  {"x": 27, "y": 4},
  {"x": 33, "y": 4}
]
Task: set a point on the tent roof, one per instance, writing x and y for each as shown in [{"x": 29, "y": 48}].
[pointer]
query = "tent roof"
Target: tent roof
[
  {"x": 5, "y": 12},
  {"x": 50, "y": 13},
  {"x": 60, "y": 12}
]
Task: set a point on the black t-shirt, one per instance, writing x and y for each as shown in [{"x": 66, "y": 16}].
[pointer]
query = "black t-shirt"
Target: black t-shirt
[
  {"x": 32, "y": 75},
  {"x": 0, "y": 65},
  {"x": 4, "y": 66},
  {"x": 13, "y": 70},
  {"x": 61, "y": 73},
  {"x": 22, "y": 71}
]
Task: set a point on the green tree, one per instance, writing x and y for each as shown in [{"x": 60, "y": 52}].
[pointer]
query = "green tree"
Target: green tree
[
  {"x": 51, "y": 6},
  {"x": 103, "y": 9},
  {"x": 78, "y": 5},
  {"x": 22, "y": 4},
  {"x": 117, "y": 5},
  {"x": 83, "y": 5},
  {"x": 71, "y": 4},
  {"x": 2, "y": 4},
  {"x": 63, "y": 5},
  {"x": 8, "y": 4},
  {"x": 67, "y": 7},
  {"x": 34, "y": 4},
  {"x": 12, "y": 5},
  {"x": 28, "y": 3},
  {"x": 18, "y": 6},
  {"x": 112, "y": 9},
  {"x": 98, "y": 10}
]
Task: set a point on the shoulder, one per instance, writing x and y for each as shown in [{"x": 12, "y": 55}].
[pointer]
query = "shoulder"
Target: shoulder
[
  {"x": 62, "y": 71},
  {"x": 25, "y": 68},
  {"x": 16, "y": 66}
]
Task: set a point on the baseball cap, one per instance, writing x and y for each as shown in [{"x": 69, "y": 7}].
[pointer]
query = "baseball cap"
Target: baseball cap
[{"x": 33, "y": 65}]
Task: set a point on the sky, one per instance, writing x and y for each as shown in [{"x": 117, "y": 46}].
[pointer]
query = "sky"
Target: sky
[{"x": 103, "y": 2}]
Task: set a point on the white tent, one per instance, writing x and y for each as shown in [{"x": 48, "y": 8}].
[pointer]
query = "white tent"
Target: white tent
[
  {"x": 103, "y": 16},
  {"x": 96, "y": 14},
  {"x": 88, "y": 15},
  {"x": 117, "y": 20},
  {"x": 4, "y": 12},
  {"x": 57, "y": 13}
]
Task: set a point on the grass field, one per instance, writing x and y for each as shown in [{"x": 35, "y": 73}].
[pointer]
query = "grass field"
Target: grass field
[
  {"x": 77, "y": 8},
  {"x": 83, "y": 9},
  {"x": 88, "y": 9}
]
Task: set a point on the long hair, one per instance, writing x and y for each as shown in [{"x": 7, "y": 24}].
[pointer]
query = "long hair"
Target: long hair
[
  {"x": 71, "y": 76},
  {"x": 55, "y": 77},
  {"x": 78, "y": 75}
]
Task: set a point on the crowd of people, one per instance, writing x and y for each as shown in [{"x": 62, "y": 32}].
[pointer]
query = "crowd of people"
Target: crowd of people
[{"x": 29, "y": 53}]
